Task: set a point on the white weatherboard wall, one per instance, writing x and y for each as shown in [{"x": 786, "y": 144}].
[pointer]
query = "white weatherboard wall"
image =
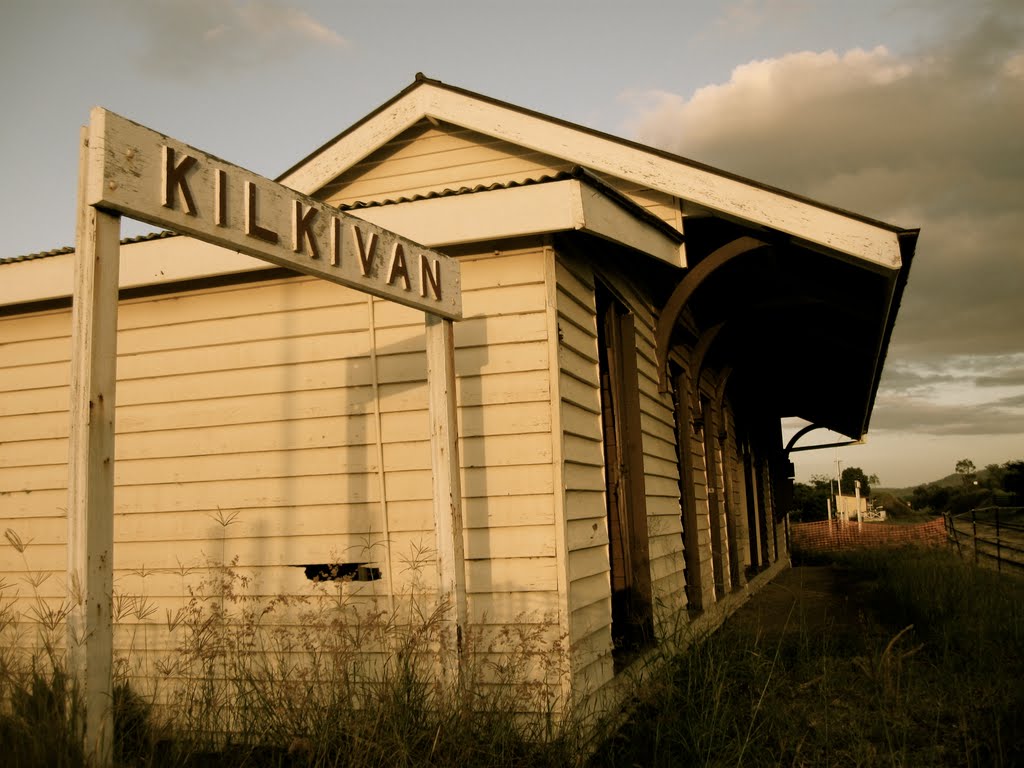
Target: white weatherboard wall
[
  {"x": 428, "y": 159},
  {"x": 253, "y": 420}
]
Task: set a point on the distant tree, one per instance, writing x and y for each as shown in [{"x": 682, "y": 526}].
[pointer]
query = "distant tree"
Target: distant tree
[
  {"x": 1013, "y": 481},
  {"x": 994, "y": 476},
  {"x": 810, "y": 500},
  {"x": 851, "y": 475},
  {"x": 933, "y": 499},
  {"x": 966, "y": 469}
]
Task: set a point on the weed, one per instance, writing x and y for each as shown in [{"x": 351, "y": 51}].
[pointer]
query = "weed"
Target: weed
[
  {"x": 321, "y": 679},
  {"x": 930, "y": 675}
]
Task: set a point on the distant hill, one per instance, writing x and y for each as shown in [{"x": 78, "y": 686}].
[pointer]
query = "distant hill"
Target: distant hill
[{"x": 949, "y": 481}]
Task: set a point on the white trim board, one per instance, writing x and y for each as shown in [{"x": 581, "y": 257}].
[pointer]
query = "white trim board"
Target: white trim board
[
  {"x": 152, "y": 262},
  {"x": 558, "y": 206},
  {"x": 817, "y": 225}
]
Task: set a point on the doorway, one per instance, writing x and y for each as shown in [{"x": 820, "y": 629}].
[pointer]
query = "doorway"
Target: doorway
[{"x": 628, "y": 551}]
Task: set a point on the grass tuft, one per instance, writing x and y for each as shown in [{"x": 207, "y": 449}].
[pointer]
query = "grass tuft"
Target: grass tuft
[
  {"x": 314, "y": 680},
  {"x": 930, "y": 675}
]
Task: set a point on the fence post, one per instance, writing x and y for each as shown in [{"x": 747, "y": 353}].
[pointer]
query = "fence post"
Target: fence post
[
  {"x": 974, "y": 533},
  {"x": 999, "y": 553}
]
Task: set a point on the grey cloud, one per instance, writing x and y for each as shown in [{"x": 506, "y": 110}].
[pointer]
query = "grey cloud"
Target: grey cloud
[
  {"x": 901, "y": 375},
  {"x": 1003, "y": 417},
  {"x": 1014, "y": 378},
  {"x": 1015, "y": 401},
  {"x": 183, "y": 40},
  {"x": 932, "y": 139}
]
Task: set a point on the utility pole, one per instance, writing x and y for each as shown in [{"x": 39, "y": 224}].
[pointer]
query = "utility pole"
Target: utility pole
[{"x": 839, "y": 486}]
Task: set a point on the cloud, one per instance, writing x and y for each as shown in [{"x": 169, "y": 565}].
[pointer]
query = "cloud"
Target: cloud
[
  {"x": 748, "y": 17},
  {"x": 933, "y": 139},
  {"x": 1013, "y": 378},
  {"x": 1001, "y": 417},
  {"x": 966, "y": 395},
  {"x": 184, "y": 40},
  {"x": 930, "y": 139}
]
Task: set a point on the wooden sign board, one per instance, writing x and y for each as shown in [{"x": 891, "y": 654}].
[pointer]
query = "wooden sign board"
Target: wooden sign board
[
  {"x": 151, "y": 177},
  {"x": 125, "y": 168}
]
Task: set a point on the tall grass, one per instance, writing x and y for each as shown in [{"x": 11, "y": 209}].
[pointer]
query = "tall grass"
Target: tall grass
[
  {"x": 930, "y": 675},
  {"x": 313, "y": 680}
]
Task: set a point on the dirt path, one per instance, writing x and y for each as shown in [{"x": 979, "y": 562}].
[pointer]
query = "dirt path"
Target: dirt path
[{"x": 803, "y": 597}]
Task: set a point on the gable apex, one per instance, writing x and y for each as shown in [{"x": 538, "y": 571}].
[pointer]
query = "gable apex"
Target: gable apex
[{"x": 807, "y": 222}]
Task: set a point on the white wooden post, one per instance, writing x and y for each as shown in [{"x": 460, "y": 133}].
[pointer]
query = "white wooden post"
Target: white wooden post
[
  {"x": 91, "y": 466},
  {"x": 444, "y": 458},
  {"x": 856, "y": 493}
]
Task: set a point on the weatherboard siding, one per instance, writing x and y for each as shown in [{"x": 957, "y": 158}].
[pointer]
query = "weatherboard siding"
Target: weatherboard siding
[
  {"x": 589, "y": 585},
  {"x": 661, "y": 204},
  {"x": 661, "y": 470},
  {"x": 740, "y": 547},
  {"x": 253, "y": 421},
  {"x": 585, "y": 506},
  {"x": 429, "y": 158}
]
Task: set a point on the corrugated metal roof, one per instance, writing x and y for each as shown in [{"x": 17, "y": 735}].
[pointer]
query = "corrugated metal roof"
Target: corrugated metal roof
[
  {"x": 449, "y": 192},
  {"x": 71, "y": 249}
]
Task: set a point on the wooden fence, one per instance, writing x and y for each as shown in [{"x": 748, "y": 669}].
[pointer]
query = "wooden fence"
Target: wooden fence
[{"x": 990, "y": 536}]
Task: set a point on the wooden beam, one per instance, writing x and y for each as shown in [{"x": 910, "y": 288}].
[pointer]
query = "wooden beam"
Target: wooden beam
[
  {"x": 91, "y": 465},
  {"x": 681, "y": 295},
  {"x": 803, "y": 431},
  {"x": 444, "y": 462},
  {"x": 557, "y": 206}
]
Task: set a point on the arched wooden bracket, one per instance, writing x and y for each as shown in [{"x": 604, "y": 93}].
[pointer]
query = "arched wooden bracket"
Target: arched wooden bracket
[
  {"x": 688, "y": 285},
  {"x": 798, "y": 435},
  {"x": 791, "y": 445},
  {"x": 700, "y": 352}
]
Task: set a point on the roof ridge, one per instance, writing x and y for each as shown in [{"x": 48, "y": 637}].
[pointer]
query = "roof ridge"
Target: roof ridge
[{"x": 422, "y": 80}]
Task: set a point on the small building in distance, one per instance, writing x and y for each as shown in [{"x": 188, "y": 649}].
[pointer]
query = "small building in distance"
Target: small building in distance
[{"x": 854, "y": 508}]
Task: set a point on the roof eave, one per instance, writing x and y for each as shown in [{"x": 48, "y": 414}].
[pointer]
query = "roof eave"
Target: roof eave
[{"x": 823, "y": 226}]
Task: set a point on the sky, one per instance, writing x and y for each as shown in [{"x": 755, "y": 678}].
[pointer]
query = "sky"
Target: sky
[{"x": 908, "y": 111}]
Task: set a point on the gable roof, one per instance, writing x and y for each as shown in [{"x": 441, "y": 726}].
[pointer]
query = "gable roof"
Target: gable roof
[
  {"x": 856, "y": 267},
  {"x": 835, "y": 274},
  {"x": 808, "y": 223}
]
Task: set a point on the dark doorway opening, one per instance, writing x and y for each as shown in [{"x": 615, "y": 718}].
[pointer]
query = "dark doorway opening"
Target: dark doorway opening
[{"x": 628, "y": 551}]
